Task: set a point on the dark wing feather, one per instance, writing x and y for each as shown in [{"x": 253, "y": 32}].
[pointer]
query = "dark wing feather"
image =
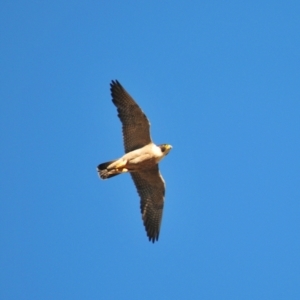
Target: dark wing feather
[
  {"x": 151, "y": 188},
  {"x": 136, "y": 127}
]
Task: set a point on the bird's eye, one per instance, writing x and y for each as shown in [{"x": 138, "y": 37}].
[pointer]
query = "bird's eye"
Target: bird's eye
[{"x": 163, "y": 149}]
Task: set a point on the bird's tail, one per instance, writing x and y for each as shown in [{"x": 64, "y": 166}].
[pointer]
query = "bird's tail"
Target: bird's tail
[{"x": 104, "y": 173}]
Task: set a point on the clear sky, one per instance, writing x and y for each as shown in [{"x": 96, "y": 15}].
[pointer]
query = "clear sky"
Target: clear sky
[{"x": 219, "y": 80}]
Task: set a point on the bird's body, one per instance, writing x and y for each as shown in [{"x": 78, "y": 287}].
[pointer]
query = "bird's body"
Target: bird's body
[
  {"x": 134, "y": 161},
  {"x": 141, "y": 160}
]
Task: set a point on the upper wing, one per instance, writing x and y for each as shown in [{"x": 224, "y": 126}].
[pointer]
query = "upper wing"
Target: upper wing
[
  {"x": 151, "y": 188},
  {"x": 136, "y": 127}
]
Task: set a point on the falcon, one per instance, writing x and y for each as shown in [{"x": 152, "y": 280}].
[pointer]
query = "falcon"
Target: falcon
[{"x": 141, "y": 160}]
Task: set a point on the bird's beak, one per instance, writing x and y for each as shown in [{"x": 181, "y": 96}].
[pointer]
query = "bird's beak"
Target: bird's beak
[{"x": 168, "y": 148}]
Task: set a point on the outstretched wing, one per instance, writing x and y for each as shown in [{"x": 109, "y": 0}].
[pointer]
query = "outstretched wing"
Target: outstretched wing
[
  {"x": 136, "y": 127},
  {"x": 151, "y": 188}
]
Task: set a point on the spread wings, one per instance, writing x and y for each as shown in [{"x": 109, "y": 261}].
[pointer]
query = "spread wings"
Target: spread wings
[
  {"x": 136, "y": 134},
  {"x": 136, "y": 127},
  {"x": 151, "y": 188}
]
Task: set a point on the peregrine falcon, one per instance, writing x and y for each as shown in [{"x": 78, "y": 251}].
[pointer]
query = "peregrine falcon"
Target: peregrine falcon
[{"x": 140, "y": 160}]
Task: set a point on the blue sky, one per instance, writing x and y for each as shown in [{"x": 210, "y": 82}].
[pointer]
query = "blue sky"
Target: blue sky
[{"x": 219, "y": 80}]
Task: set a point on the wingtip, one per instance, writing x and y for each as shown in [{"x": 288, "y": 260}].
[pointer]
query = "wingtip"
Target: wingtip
[
  {"x": 115, "y": 87},
  {"x": 153, "y": 238},
  {"x": 114, "y": 82}
]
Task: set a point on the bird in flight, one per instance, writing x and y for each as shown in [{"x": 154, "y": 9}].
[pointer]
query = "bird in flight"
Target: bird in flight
[{"x": 141, "y": 159}]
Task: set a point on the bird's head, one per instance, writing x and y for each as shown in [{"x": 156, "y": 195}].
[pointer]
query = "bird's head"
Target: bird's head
[{"x": 165, "y": 148}]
